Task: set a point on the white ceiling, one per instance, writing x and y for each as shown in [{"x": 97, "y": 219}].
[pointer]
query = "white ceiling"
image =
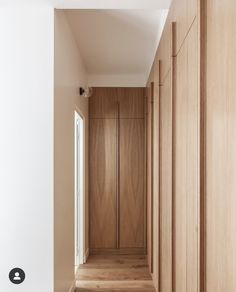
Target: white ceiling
[
  {"x": 111, "y": 4},
  {"x": 117, "y": 43}
]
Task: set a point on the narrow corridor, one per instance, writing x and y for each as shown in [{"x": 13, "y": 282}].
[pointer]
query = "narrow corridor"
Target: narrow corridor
[{"x": 115, "y": 273}]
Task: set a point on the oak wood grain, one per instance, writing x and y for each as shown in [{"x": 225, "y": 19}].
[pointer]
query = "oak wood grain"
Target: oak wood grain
[
  {"x": 221, "y": 146},
  {"x": 114, "y": 273},
  {"x": 148, "y": 174},
  {"x": 110, "y": 110},
  {"x": 131, "y": 101},
  {"x": 164, "y": 52},
  {"x": 118, "y": 251},
  {"x": 183, "y": 12},
  {"x": 187, "y": 189},
  {"x": 102, "y": 165},
  {"x": 103, "y": 103},
  {"x": 193, "y": 161},
  {"x": 166, "y": 185},
  {"x": 131, "y": 183},
  {"x": 156, "y": 112}
]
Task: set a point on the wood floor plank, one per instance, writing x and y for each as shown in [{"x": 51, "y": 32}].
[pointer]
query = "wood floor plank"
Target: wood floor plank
[
  {"x": 115, "y": 258},
  {"x": 116, "y": 289},
  {"x": 115, "y": 284},
  {"x": 134, "y": 265},
  {"x": 115, "y": 273}
]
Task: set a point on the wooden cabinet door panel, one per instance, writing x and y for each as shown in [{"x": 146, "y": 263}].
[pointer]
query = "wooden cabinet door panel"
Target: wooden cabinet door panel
[
  {"x": 131, "y": 183},
  {"x": 183, "y": 13},
  {"x": 156, "y": 112},
  {"x": 103, "y": 103},
  {"x": 165, "y": 51},
  {"x": 193, "y": 158},
  {"x": 181, "y": 171},
  {"x": 166, "y": 185},
  {"x": 221, "y": 146},
  {"x": 149, "y": 175},
  {"x": 102, "y": 181},
  {"x": 186, "y": 190},
  {"x": 131, "y": 102}
]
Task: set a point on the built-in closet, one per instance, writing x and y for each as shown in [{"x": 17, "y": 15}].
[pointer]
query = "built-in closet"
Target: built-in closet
[
  {"x": 193, "y": 201},
  {"x": 175, "y": 75},
  {"x": 117, "y": 171}
]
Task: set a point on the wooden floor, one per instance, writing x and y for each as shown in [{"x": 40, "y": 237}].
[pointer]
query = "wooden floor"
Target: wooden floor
[{"x": 115, "y": 273}]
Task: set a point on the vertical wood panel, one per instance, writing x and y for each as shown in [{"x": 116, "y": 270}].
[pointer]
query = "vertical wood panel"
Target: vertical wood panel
[
  {"x": 179, "y": 11},
  {"x": 131, "y": 183},
  {"x": 192, "y": 9},
  {"x": 102, "y": 179},
  {"x": 187, "y": 166},
  {"x": 156, "y": 176},
  {"x": 149, "y": 169},
  {"x": 181, "y": 171},
  {"x": 221, "y": 147},
  {"x": 183, "y": 12},
  {"x": 165, "y": 50},
  {"x": 118, "y": 177},
  {"x": 103, "y": 103},
  {"x": 193, "y": 158},
  {"x": 150, "y": 173},
  {"x": 131, "y": 102},
  {"x": 166, "y": 185},
  {"x": 117, "y": 197}
]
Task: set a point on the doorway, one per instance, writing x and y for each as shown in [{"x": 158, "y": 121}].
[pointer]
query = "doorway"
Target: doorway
[{"x": 79, "y": 190}]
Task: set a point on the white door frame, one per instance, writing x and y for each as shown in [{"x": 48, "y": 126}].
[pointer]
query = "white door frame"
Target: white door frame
[{"x": 79, "y": 188}]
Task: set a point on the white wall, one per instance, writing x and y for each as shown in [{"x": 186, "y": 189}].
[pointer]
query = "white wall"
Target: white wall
[
  {"x": 69, "y": 75},
  {"x": 26, "y": 144},
  {"x": 121, "y": 80}
]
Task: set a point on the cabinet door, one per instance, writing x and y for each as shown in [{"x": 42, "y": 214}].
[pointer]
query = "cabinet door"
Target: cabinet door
[
  {"x": 156, "y": 112},
  {"x": 181, "y": 170},
  {"x": 193, "y": 158},
  {"x": 221, "y": 147},
  {"x": 102, "y": 181},
  {"x": 149, "y": 173},
  {"x": 131, "y": 102},
  {"x": 183, "y": 13},
  {"x": 165, "y": 50},
  {"x": 187, "y": 166},
  {"x": 103, "y": 103},
  {"x": 166, "y": 185},
  {"x": 131, "y": 183}
]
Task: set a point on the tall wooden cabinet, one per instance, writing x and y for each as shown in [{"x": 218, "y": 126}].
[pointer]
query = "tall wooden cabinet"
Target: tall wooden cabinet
[
  {"x": 132, "y": 183},
  {"x": 117, "y": 193},
  {"x": 197, "y": 186},
  {"x": 103, "y": 189},
  {"x": 165, "y": 195},
  {"x": 186, "y": 170},
  {"x": 176, "y": 74},
  {"x": 150, "y": 170},
  {"x": 220, "y": 147}
]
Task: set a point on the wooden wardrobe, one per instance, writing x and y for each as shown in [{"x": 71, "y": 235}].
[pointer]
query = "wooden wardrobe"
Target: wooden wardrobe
[
  {"x": 117, "y": 172},
  {"x": 175, "y": 75},
  {"x": 195, "y": 117}
]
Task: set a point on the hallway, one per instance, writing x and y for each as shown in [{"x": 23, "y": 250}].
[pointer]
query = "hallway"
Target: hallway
[{"x": 115, "y": 273}]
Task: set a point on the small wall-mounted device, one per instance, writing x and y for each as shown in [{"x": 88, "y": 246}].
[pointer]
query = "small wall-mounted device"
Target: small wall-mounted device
[{"x": 86, "y": 91}]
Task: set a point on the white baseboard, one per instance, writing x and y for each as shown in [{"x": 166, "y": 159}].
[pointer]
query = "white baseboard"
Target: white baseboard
[{"x": 86, "y": 255}]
